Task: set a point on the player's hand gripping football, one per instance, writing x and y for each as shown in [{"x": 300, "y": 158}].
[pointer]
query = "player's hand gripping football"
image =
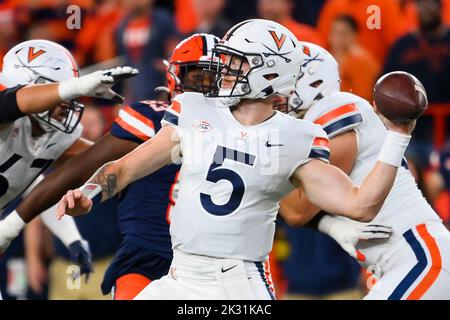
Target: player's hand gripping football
[
  {"x": 97, "y": 84},
  {"x": 400, "y": 127},
  {"x": 74, "y": 203},
  {"x": 399, "y": 99},
  {"x": 348, "y": 233}
]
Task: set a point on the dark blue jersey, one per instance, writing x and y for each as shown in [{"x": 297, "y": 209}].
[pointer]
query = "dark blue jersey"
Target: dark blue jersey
[{"x": 145, "y": 204}]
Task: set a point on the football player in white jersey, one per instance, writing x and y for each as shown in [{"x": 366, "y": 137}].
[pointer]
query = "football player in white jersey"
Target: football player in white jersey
[
  {"x": 39, "y": 123},
  {"x": 414, "y": 262},
  {"x": 239, "y": 158}
]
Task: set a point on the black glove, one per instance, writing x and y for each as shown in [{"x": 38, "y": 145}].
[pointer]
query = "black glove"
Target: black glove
[{"x": 81, "y": 255}]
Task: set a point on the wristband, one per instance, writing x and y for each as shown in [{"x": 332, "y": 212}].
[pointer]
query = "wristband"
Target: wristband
[
  {"x": 325, "y": 224},
  {"x": 68, "y": 89},
  {"x": 13, "y": 224},
  {"x": 91, "y": 191},
  {"x": 394, "y": 148}
]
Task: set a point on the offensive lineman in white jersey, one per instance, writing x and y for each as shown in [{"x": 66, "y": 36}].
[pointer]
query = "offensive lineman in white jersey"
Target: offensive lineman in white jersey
[
  {"x": 39, "y": 123},
  {"x": 414, "y": 263},
  {"x": 239, "y": 158}
]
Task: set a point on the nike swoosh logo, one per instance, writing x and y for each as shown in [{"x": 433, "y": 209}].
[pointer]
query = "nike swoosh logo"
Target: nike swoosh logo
[
  {"x": 50, "y": 145},
  {"x": 228, "y": 269},
  {"x": 268, "y": 144}
]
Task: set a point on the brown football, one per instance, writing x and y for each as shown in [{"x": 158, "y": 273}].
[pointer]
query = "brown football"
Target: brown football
[{"x": 400, "y": 97}]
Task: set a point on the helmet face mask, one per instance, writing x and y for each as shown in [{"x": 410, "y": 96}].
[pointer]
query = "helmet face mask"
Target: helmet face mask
[
  {"x": 234, "y": 71},
  {"x": 65, "y": 120},
  {"x": 190, "y": 76},
  {"x": 65, "y": 117}
]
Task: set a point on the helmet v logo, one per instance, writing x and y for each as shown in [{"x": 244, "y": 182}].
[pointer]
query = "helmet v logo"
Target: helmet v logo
[
  {"x": 33, "y": 55},
  {"x": 278, "y": 41},
  {"x": 307, "y": 51}
]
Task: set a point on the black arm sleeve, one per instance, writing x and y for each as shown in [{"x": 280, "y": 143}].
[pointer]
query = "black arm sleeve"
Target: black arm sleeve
[{"x": 9, "y": 110}]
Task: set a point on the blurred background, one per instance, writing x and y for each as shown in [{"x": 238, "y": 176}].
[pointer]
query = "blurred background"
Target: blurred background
[{"x": 367, "y": 37}]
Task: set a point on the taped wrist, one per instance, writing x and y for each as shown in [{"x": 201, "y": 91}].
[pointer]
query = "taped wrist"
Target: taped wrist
[
  {"x": 9, "y": 110},
  {"x": 325, "y": 224},
  {"x": 13, "y": 225},
  {"x": 394, "y": 148},
  {"x": 69, "y": 89},
  {"x": 92, "y": 191}
]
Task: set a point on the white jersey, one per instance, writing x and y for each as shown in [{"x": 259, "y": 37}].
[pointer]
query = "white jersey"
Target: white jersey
[
  {"x": 405, "y": 207},
  {"x": 233, "y": 176},
  {"x": 23, "y": 157}
]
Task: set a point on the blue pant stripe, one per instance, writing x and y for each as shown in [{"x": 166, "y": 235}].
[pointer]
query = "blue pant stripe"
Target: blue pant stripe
[
  {"x": 260, "y": 267},
  {"x": 416, "y": 271}
]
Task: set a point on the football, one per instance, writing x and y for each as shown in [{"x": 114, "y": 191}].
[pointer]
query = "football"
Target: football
[{"x": 400, "y": 97}]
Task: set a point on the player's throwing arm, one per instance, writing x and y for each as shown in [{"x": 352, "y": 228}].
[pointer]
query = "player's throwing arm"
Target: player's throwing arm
[
  {"x": 115, "y": 176},
  {"x": 358, "y": 203}
]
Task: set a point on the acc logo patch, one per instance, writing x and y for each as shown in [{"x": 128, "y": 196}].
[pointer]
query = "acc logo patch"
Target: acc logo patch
[{"x": 202, "y": 126}]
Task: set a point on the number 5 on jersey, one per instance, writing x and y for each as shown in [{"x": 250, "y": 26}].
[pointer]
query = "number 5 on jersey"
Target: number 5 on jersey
[{"x": 215, "y": 174}]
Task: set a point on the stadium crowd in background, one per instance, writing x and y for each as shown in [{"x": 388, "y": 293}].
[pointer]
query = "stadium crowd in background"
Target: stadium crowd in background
[{"x": 413, "y": 36}]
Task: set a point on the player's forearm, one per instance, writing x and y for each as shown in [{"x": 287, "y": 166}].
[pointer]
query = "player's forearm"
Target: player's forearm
[
  {"x": 367, "y": 200},
  {"x": 296, "y": 209},
  {"x": 142, "y": 161},
  {"x": 150, "y": 156},
  {"x": 70, "y": 174},
  {"x": 369, "y": 197},
  {"x": 42, "y": 197},
  {"x": 38, "y": 98},
  {"x": 114, "y": 176},
  {"x": 110, "y": 178},
  {"x": 43, "y": 97},
  {"x": 344, "y": 198}
]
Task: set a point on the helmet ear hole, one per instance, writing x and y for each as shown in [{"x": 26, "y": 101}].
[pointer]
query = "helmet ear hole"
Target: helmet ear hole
[{"x": 271, "y": 76}]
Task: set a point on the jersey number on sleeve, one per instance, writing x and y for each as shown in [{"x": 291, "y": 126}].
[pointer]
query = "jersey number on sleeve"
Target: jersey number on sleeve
[
  {"x": 37, "y": 163},
  {"x": 215, "y": 174}
]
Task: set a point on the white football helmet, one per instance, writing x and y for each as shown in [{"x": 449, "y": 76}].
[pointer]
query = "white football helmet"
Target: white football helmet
[
  {"x": 272, "y": 52},
  {"x": 43, "y": 61},
  {"x": 319, "y": 77}
]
